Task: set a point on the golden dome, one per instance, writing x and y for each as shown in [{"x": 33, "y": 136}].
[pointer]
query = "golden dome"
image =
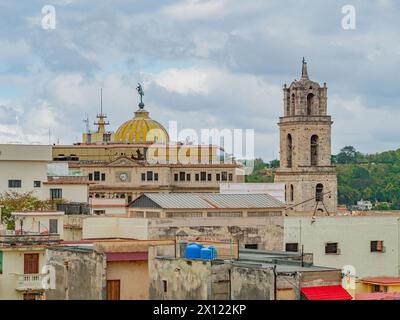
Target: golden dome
[{"x": 141, "y": 129}]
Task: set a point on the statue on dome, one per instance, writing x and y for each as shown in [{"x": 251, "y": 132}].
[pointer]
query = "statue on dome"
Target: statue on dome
[{"x": 141, "y": 93}]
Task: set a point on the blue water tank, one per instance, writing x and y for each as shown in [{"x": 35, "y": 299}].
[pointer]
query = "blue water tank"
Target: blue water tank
[
  {"x": 214, "y": 252},
  {"x": 192, "y": 251},
  {"x": 206, "y": 253}
]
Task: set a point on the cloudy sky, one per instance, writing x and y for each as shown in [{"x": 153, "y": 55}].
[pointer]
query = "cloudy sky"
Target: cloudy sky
[{"x": 204, "y": 63}]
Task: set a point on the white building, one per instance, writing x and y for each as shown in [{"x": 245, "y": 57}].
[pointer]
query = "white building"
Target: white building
[
  {"x": 23, "y": 168},
  {"x": 371, "y": 244},
  {"x": 39, "y": 222},
  {"x": 29, "y": 168}
]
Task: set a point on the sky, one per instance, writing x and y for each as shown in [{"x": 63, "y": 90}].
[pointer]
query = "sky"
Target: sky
[{"x": 203, "y": 63}]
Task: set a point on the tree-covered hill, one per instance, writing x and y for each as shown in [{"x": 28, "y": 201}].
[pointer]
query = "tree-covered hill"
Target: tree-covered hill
[{"x": 374, "y": 177}]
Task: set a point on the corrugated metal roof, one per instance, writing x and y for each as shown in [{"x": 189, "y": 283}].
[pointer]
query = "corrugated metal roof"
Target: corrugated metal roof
[{"x": 213, "y": 200}]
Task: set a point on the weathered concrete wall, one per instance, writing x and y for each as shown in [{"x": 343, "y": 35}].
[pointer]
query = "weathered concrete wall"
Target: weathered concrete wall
[
  {"x": 185, "y": 279},
  {"x": 252, "y": 283},
  {"x": 266, "y": 232},
  {"x": 79, "y": 275},
  {"x": 321, "y": 278}
]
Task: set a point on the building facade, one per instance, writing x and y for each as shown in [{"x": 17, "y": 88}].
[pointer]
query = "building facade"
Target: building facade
[
  {"x": 368, "y": 246},
  {"x": 139, "y": 157},
  {"x": 305, "y": 147}
]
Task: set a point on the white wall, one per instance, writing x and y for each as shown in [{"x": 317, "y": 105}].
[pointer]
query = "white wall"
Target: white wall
[
  {"x": 27, "y": 163},
  {"x": 353, "y": 235},
  {"x": 114, "y": 227},
  {"x": 27, "y": 172},
  {"x": 70, "y": 192}
]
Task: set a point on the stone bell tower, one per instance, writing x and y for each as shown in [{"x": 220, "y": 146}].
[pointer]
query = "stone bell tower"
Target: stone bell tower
[{"x": 305, "y": 147}]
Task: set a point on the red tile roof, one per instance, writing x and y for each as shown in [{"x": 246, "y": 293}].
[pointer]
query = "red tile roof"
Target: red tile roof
[
  {"x": 378, "y": 296},
  {"x": 382, "y": 280},
  {"x": 326, "y": 293}
]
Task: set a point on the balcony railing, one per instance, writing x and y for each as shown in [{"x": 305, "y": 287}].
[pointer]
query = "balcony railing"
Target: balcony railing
[{"x": 30, "y": 282}]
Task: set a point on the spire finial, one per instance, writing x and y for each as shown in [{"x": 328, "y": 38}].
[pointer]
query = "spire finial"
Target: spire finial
[
  {"x": 304, "y": 73},
  {"x": 141, "y": 93}
]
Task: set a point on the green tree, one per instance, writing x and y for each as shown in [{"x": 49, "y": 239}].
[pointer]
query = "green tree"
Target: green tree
[{"x": 14, "y": 201}]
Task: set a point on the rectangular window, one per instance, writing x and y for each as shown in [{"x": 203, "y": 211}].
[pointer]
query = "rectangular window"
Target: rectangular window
[
  {"x": 209, "y": 177},
  {"x": 165, "y": 286},
  {"x": 331, "y": 248},
  {"x": 197, "y": 177},
  {"x": 53, "y": 225},
  {"x": 55, "y": 193},
  {"x": 97, "y": 176},
  {"x": 230, "y": 177},
  {"x": 37, "y": 184},
  {"x": 143, "y": 177},
  {"x": 251, "y": 246},
  {"x": 155, "y": 176},
  {"x": 224, "y": 176},
  {"x": 103, "y": 177},
  {"x": 90, "y": 176},
  {"x": 176, "y": 177},
  {"x": 218, "y": 177},
  {"x": 188, "y": 176},
  {"x": 377, "y": 246},
  {"x": 181, "y": 176},
  {"x": 292, "y": 247},
  {"x": 376, "y": 288},
  {"x": 203, "y": 176},
  {"x": 14, "y": 183},
  {"x": 149, "y": 175}
]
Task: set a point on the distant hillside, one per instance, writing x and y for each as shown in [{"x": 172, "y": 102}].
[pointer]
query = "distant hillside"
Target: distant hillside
[{"x": 374, "y": 177}]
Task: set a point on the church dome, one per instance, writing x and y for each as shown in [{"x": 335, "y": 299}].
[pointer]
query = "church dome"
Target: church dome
[{"x": 141, "y": 129}]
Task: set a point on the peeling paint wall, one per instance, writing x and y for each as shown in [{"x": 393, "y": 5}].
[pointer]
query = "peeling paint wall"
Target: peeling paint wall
[
  {"x": 182, "y": 279},
  {"x": 252, "y": 283},
  {"x": 188, "y": 279},
  {"x": 266, "y": 232},
  {"x": 79, "y": 275}
]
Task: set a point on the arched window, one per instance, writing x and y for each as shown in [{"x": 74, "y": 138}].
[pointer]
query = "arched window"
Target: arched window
[
  {"x": 314, "y": 150},
  {"x": 289, "y": 150},
  {"x": 292, "y": 105},
  {"x": 310, "y": 100},
  {"x": 285, "y": 193},
  {"x": 319, "y": 192},
  {"x": 291, "y": 193}
]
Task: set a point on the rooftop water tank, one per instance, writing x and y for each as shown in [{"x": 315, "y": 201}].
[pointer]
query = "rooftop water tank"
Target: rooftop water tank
[
  {"x": 192, "y": 251},
  {"x": 214, "y": 252},
  {"x": 206, "y": 253}
]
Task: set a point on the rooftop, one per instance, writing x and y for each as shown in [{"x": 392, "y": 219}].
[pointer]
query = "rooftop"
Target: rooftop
[
  {"x": 382, "y": 280},
  {"x": 205, "y": 201},
  {"x": 284, "y": 261}
]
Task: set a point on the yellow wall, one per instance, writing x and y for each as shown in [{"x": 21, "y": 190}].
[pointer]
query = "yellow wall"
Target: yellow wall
[
  {"x": 133, "y": 276},
  {"x": 13, "y": 263}
]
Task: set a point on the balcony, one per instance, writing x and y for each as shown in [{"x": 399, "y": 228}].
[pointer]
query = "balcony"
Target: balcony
[{"x": 28, "y": 282}]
